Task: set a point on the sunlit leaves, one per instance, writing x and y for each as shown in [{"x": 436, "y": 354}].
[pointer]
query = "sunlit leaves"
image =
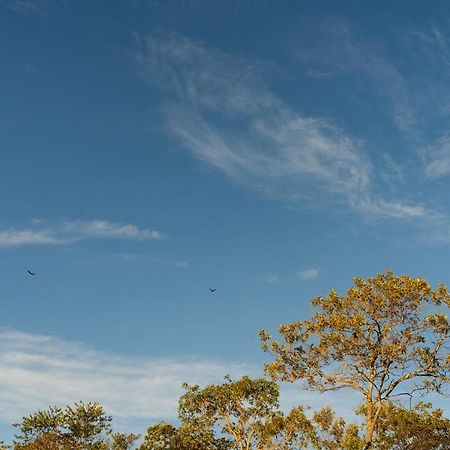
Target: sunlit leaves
[
  {"x": 420, "y": 428},
  {"x": 387, "y": 331},
  {"x": 84, "y": 426}
]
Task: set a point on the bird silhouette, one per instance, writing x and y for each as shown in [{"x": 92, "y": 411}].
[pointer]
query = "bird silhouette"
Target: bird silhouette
[
  {"x": 31, "y": 273},
  {"x": 212, "y": 290}
]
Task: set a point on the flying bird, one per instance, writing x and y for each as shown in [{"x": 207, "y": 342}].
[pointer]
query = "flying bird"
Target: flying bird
[
  {"x": 212, "y": 290},
  {"x": 31, "y": 273}
]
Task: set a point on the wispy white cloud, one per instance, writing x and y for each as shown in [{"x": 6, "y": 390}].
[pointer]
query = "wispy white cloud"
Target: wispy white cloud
[
  {"x": 437, "y": 158},
  {"x": 221, "y": 110},
  {"x": 430, "y": 51},
  {"x": 431, "y": 48},
  {"x": 340, "y": 52},
  {"x": 64, "y": 233},
  {"x": 104, "y": 229},
  {"x": 399, "y": 210},
  {"x": 308, "y": 274},
  {"x": 37, "y": 371},
  {"x": 13, "y": 237},
  {"x": 417, "y": 102},
  {"x": 393, "y": 173},
  {"x": 224, "y": 114}
]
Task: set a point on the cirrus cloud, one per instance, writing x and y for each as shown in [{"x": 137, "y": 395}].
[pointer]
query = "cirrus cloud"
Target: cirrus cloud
[
  {"x": 37, "y": 371},
  {"x": 71, "y": 231},
  {"x": 220, "y": 109}
]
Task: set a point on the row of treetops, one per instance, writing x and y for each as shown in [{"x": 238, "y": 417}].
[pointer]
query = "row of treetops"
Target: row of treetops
[{"x": 387, "y": 338}]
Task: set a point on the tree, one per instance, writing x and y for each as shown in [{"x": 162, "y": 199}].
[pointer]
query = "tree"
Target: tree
[
  {"x": 238, "y": 408},
  {"x": 190, "y": 435},
  {"x": 40, "y": 426},
  {"x": 387, "y": 333},
  {"x": 286, "y": 432},
  {"x": 247, "y": 412},
  {"x": 160, "y": 437},
  {"x": 82, "y": 427},
  {"x": 123, "y": 441},
  {"x": 421, "y": 428},
  {"x": 334, "y": 434},
  {"x": 87, "y": 425}
]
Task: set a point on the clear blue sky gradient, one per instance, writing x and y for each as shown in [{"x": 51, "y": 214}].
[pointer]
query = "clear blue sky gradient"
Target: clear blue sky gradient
[{"x": 90, "y": 120}]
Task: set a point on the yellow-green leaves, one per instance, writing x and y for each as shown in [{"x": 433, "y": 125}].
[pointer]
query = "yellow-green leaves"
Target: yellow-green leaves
[
  {"x": 84, "y": 426},
  {"x": 420, "y": 428},
  {"x": 386, "y": 332}
]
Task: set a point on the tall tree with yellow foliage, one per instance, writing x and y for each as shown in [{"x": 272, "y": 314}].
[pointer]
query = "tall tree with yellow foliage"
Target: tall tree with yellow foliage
[{"x": 387, "y": 336}]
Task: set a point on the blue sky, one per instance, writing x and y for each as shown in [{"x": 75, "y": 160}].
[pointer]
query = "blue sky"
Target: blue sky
[{"x": 153, "y": 149}]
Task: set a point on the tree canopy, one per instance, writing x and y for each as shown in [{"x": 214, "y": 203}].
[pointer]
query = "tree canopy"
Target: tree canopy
[
  {"x": 420, "y": 428},
  {"x": 386, "y": 333},
  {"x": 84, "y": 426}
]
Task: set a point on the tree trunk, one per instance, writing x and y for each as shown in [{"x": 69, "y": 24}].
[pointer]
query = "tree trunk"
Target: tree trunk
[
  {"x": 370, "y": 426},
  {"x": 371, "y": 421}
]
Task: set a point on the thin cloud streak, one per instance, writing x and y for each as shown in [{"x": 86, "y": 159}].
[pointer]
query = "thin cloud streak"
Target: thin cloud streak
[
  {"x": 398, "y": 210},
  {"x": 309, "y": 274},
  {"x": 69, "y": 232},
  {"x": 13, "y": 238},
  {"x": 104, "y": 229},
  {"x": 438, "y": 158}
]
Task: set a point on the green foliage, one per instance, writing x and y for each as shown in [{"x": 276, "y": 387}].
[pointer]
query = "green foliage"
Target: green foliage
[
  {"x": 191, "y": 435},
  {"x": 123, "y": 441},
  {"x": 246, "y": 412},
  {"x": 421, "y": 428},
  {"x": 239, "y": 408},
  {"x": 161, "y": 436},
  {"x": 334, "y": 434},
  {"x": 285, "y": 432},
  {"x": 387, "y": 332},
  {"x": 246, "y": 399},
  {"x": 82, "y": 427}
]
